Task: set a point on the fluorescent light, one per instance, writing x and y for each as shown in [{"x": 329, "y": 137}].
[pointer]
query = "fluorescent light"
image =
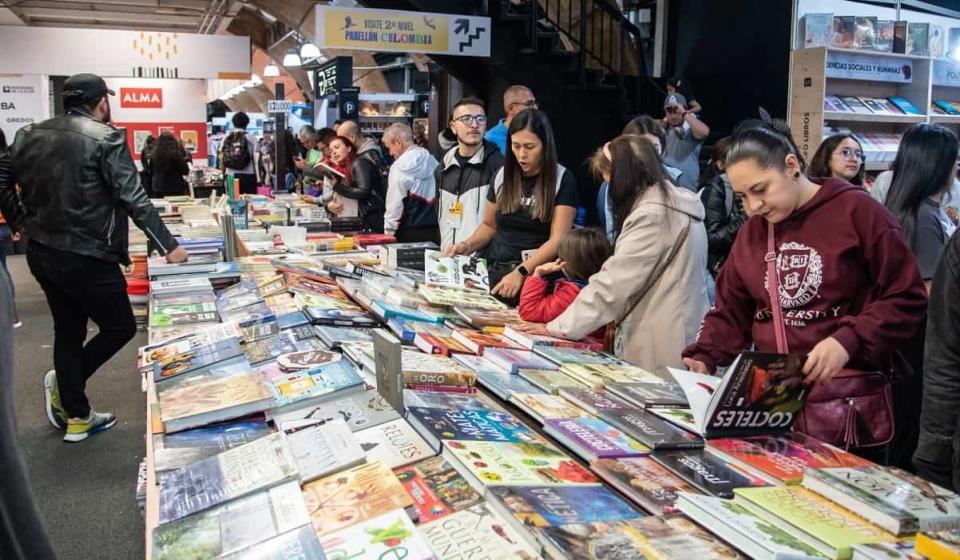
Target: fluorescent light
[
  {"x": 271, "y": 70},
  {"x": 292, "y": 59},
  {"x": 308, "y": 51}
]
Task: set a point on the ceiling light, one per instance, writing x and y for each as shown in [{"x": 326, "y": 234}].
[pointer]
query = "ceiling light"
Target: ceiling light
[
  {"x": 271, "y": 70},
  {"x": 308, "y": 51},
  {"x": 292, "y": 59}
]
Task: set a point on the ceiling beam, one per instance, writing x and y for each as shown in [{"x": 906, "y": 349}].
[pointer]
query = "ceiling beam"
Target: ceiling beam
[
  {"x": 108, "y": 16},
  {"x": 199, "y": 5},
  {"x": 126, "y": 27}
]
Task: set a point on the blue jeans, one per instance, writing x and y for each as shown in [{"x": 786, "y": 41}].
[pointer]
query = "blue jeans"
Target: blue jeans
[{"x": 5, "y": 235}]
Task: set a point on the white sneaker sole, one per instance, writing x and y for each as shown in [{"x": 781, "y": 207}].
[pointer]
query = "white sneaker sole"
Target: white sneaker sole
[
  {"x": 49, "y": 385},
  {"x": 76, "y": 438}
]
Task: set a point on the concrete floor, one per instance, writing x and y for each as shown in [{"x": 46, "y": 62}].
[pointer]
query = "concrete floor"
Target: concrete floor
[{"x": 86, "y": 491}]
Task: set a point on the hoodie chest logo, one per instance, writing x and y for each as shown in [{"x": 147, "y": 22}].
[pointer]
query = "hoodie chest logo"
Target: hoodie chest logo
[{"x": 800, "y": 269}]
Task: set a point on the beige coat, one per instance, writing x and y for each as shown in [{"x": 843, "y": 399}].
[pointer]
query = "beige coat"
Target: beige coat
[{"x": 666, "y": 319}]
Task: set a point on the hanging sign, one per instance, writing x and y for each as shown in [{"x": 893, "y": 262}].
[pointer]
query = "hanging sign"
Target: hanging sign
[
  {"x": 279, "y": 106},
  {"x": 400, "y": 31},
  {"x": 333, "y": 76},
  {"x": 872, "y": 68}
]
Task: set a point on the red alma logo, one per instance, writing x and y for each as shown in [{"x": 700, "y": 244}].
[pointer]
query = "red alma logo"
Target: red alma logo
[{"x": 141, "y": 98}]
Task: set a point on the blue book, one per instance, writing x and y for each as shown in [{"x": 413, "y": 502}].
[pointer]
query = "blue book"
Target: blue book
[
  {"x": 550, "y": 506},
  {"x": 440, "y": 424},
  {"x": 503, "y": 384},
  {"x": 905, "y": 106},
  {"x": 314, "y": 385},
  {"x": 407, "y": 329},
  {"x": 292, "y": 319},
  {"x": 195, "y": 360},
  {"x": 177, "y": 450},
  {"x": 388, "y": 311}
]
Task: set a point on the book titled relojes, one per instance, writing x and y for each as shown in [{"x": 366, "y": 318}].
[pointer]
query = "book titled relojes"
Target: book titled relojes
[{"x": 652, "y": 431}]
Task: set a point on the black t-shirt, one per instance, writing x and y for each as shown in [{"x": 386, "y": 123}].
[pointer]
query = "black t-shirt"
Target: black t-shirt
[
  {"x": 520, "y": 231},
  {"x": 930, "y": 238}
]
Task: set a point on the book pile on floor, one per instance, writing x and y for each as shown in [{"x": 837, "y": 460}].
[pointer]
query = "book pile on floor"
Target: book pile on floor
[{"x": 268, "y": 437}]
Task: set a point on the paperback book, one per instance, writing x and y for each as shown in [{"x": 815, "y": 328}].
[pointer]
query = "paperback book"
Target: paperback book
[
  {"x": 478, "y": 364},
  {"x": 260, "y": 331},
  {"x": 551, "y": 506},
  {"x": 505, "y": 385},
  {"x": 488, "y": 320},
  {"x": 440, "y": 424},
  {"x": 611, "y": 373},
  {"x": 324, "y": 448},
  {"x": 270, "y": 348},
  {"x": 359, "y": 409},
  {"x": 197, "y": 337},
  {"x": 593, "y": 439},
  {"x": 312, "y": 386},
  {"x": 292, "y": 319},
  {"x": 644, "y": 481},
  {"x": 651, "y": 430},
  {"x": 650, "y": 395},
  {"x": 302, "y": 543},
  {"x": 437, "y": 489},
  {"x": 476, "y": 530},
  {"x": 391, "y": 535},
  {"x": 593, "y": 402},
  {"x": 514, "y": 360},
  {"x": 543, "y": 407},
  {"x": 395, "y": 444},
  {"x": 199, "y": 402},
  {"x": 529, "y": 341},
  {"x": 706, "y": 472},
  {"x": 195, "y": 360},
  {"x": 548, "y": 381},
  {"x": 333, "y": 337},
  {"x": 561, "y": 355},
  {"x": 468, "y": 299},
  {"x": 477, "y": 342},
  {"x": 782, "y": 459},
  {"x": 442, "y": 345},
  {"x": 387, "y": 311},
  {"x": 407, "y": 329},
  {"x": 458, "y": 271},
  {"x": 515, "y": 464},
  {"x": 341, "y": 317},
  {"x": 177, "y": 450}
]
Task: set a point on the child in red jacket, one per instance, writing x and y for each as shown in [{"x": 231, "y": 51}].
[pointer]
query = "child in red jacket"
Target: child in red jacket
[{"x": 581, "y": 254}]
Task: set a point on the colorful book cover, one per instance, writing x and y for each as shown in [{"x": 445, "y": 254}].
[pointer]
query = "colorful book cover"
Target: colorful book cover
[
  {"x": 443, "y": 345},
  {"x": 450, "y": 401},
  {"x": 650, "y": 395},
  {"x": 341, "y": 317},
  {"x": 177, "y": 450},
  {"x": 437, "y": 489},
  {"x": 302, "y": 543},
  {"x": 450, "y": 297},
  {"x": 785, "y": 457},
  {"x": 481, "y": 318},
  {"x": 233, "y": 526},
  {"x": 352, "y": 496},
  {"x": 561, "y": 355},
  {"x": 203, "y": 401},
  {"x": 335, "y": 336},
  {"x": 514, "y": 360},
  {"x": 258, "y": 465},
  {"x": 548, "y": 381},
  {"x": 550, "y": 506},
  {"x": 260, "y": 331},
  {"x": 299, "y": 389},
  {"x": 682, "y": 417},
  {"x": 816, "y": 30},
  {"x": 477, "y": 342},
  {"x": 478, "y": 364},
  {"x": 592, "y": 401},
  {"x": 173, "y": 315},
  {"x": 428, "y": 369},
  {"x": 184, "y": 339},
  {"x": 269, "y": 348},
  {"x": 306, "y": 334},
  {"x": 388, "y": 311},
  {"x": 918, "y": 38},
  {"x": 472, "y": 425},
  {"x": 249, "y": 315},
  {"x": 476, "y": 530},
  {"x": 899, "y": 550},
  {"x": 707, "y": 472},
  {"x": 324, "y": 448},
  {"x": 518, "y": 464},
  {"x": 905, "y": 106},
  {"x": 391, "y": 535},
  {"x": 543, "y": 407},
  {"x": 395, "y": 444},
  {"x": 643, "y": 481},
  {"x": 459, "y": 271},
  {"x": 292, "y": 319},
  {"x": 533, "y": 341},
  {"x": 611, "y": 373},
  {"x": 834, "y": 528},
  {"x": 591, "y": 438},
  {"x": 652, "y": 431},
  {"x": 407, "y": 330},
  {"x": 195, "y": 360},
  {"x": 505, "y": 385},
  {"x": 360, "y": 410}
]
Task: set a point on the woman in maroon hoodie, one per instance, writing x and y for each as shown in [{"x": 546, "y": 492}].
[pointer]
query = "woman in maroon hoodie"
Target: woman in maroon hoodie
[{"x": 849, "y": 286}]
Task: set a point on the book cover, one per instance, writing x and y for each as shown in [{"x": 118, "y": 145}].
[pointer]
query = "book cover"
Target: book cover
[
  {"x": 505, "y": 385},
  {"x": 529, "y": 341},
  {"x": 333, "y": 337},
  {"x": 918, "y": 38},
  {"x": 681, "y": 417},
  {"x": 298, "y": 361},
  {"x": 874, "y": 105},
  {"x": 481, "y": 318},
  {"x": 611, "y": 373},
  {"x": 291, "y": 320},
  {"x": 301, "y": 543},
  {"x": 836, "y": 104},
  {"x": 177, "y": 450},
  {"x": 939, "y": 545},
  {"x": 865, "y": 33},
  {"x": 407, "y": 330},
  {"x": 270, "y": 348},
  {"x": 231, "y": 302},
  {"x": 856, "y": 105},
  {"x": 359, "y": 409},
  {"x": 387, "y": 311},
  {"x": 513, "y": 360},
  {"x": 550, "y": 506},
  {"x": 459, "y": 271},
  {"x": 652, "y": 431},
  {"x": 650, "y": 395},
  {"x": 450, "y": 297},
  {"x": 644, "y": 481},
  {"x": 437, "y": 489},
  {"x": 249, "y": 315},
  {"x": 894, "y": 500},
  {"x": 561, "y": 355},
  {"x": 450, "y": 401},
  {"x": 905, "y": 106},
  {"x": 395, "y": 444},
  {"x": 307, "y": 335},
  {"x": 341, "y": 317},
  {"x": 886, "y": 34},
  {"x": 946, "y": 107},
  {"x": 816, "y": 30},
  {"x": 324, "y": 448},
  {"x": 938, "y": 41},
  {"x": 195, "y": 360},
  {"x": 844, "y": 28},
  {"x": 591, "y": 438},
  {"x": 518, "y": 464},
  {"x": 477, "y": 342},
  {"x": 476, "y": 530},
  {"x": 543, "y": 407},
  {"x": 391, "y": 535},
  {"x": 443, "y": 345},
  {"x": 173, "y": 315},
  {"x": 819, "y": 522},
  {"x": 180, "y": 285},
  {"x": 260, "y": 331},
  {"x": 204, "y": 401},
  {"x": 900, "y": 550},
  {"x": 592, "y": 401},
  {"x": 708, "y": 473},
  {"x": 183, "y": 340},
  {"x": 233, "y": 526},
  {"x": 478, "y": 364},
  {"x": 352, "y": 496},
  {"x": 783, "y": 457},
  {"x": 258, "y": 465},
  {"x": 473, "y": 425},
  {"x": 306, "y": 387},
  {"x": 427, "y": 369},
  {"x": 548, "y": 381}
]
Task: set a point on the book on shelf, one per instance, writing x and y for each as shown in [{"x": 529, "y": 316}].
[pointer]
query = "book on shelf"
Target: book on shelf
[
  {"x": 856, "y": 105},
  {"x": 815, "y": 30},
  {"x": 487, "y": 463},
  {"x": 918, "y": 38},
  {"x": 476, "y": 530},
  {"x": 447, "y": 296},
  {"x": 302, "y": 543},
  {"x": 459, "y": 271},
  {"x": 196, "y": 361},
  {"x": 512, "y": 360},
  {"x": 201, "y": 401},
  {"x": 548, "y": 381},
  {"x": 650, "y": 395},
  {"x": 593, "y": 402},
  {"x": 353, "y": 496},
  {"x": 865, "y": 33},
  {"x": 529, "y": 341},
  {"x": 877, "y": 106},
  {"x": 437, "y": 425},
  {"x": 391, "y": 535},
  {"x": 760, "y": 393},
  {"x": 947, "y": 107},
  {"x": 542, "y": 406},
  {"x": 237, "y": 472},
  {"x": 939, "y": 545},
  {"x": 359, "y": 409},
  {"x": 310, "y": 387},
  {"x": 233, "y": 526},
  {"x": 593, "y": 439},
  {"x": 938, "y": 41},
  {"x": 505, "y": 385},
  {"x": 437, "y": 489},
  {"x": 890, "y": 498},
  {"x": 708, "y": 473},
  {"x": 651, "y": 431},
  {"x": 834, "y": 103},
  {"x": 816, "y": 521},
  {"x": 904, "y": 105},
  {"x": 644, "y": 482},
  {"x": 177, "y": 450},
  {"x": 324, "y": 448},
  {"x": 886, "y": 35},
  {"x": 736, "y": 525},
  {"x": 844, "y": 28},
  {"x": 442, "y": 345},
  {"x": 396, "y": 444}
]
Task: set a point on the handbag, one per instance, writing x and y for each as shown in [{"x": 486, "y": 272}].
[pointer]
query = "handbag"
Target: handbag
[
  {"x": 852, "y": 410},
  {"x": 610, "y": 333}
]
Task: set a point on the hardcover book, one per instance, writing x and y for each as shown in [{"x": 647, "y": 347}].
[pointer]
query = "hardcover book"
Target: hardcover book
[
  {"x": 443, "y": 345},
  {"x": 516, "y": 464},
  {"x": 198, "y": 402},
  {"x": 195, "y": 360},
  {"x": 395, "y": 444},
  {"x": 550, "y": 506},
  {"x": 708, "y": 473},
  {"x": 543, "y": 407},
  {"x": 177, "y": 450},
  {"x": 513, "y": 361},
  {"x": 353, "y": 496},
  {"x": 302, "y": 542},
  {"x": 478, "y": 531},
  {"x": 650, "y": 395},
  {"x": 477, "y": 342},
  {"x": 235, "y": 473},
  {"x": 561, "y": 355},
  {"x": 548, "y": 381},
  {"x": 760, "y": 393},
  {"x": 324, "y": 449},
  {"x": 270, "y": 348},
  {"x": 359, "y": 409},
  {"x": 783, "y": 458},
  {"x": 391, "y": 535},
  {"x": 437, "y": 489},
  {"x": 341, "y": 317},
  {"x": 592, "y": 401},
  {"x": 644, "y": 481},
  {"x": 816, "y": 521},
  {"x": 488, "y": 319},
  {"x": 591, "y": 439},
  {"x": 450, "y": 297},
  {"x": 311, "y": 386},
  {"x": 440, "y": 424},
  {"x": 505, "y": 385},
  {"x": 652, "y": 431}
]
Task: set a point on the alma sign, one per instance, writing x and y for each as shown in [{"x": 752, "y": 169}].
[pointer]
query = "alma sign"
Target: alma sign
[{"x": 141, "y": 98}]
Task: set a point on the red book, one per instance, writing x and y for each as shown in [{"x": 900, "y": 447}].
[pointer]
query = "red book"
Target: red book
[
  {"x": 477, "y": 342},
  {"x": 781, "y": 459},
  {"x": 443, "y": 345}
]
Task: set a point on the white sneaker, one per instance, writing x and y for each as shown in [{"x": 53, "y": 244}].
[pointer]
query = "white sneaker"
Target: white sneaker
[{"x": 51, "y": 397}]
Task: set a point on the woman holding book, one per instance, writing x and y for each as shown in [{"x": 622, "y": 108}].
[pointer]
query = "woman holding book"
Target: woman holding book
[
  {"x": 363, "y": 183},
  {"x": 849, "y": 289},
  {"x": 531, "y": 206},
  {"x": 839, "y": 156},
  {"x": 654, "y": 287}
]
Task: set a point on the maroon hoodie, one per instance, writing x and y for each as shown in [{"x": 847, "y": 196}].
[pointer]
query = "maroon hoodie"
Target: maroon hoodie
[{"x": 845, "y": 271}]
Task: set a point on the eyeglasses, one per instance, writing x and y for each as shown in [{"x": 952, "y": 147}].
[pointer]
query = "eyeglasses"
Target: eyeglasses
[
  {"x": 847, "y": 153},
  {"x": 467, "y": 119},
  {"x": 529, "y": 104}
]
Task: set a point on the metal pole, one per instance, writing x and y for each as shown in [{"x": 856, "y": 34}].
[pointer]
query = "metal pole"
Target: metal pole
[{"x": 280, "y": 143}]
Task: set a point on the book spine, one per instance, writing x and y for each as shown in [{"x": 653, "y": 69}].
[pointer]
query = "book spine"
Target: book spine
[
  {"x": 441, "y": 389},
  {"x": 451, "y": 379}
]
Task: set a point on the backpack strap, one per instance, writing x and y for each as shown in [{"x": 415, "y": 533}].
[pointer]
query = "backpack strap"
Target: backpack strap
[{"x": 773, "y": 291}]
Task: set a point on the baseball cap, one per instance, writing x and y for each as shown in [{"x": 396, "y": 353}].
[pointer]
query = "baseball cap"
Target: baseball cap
[
  {"x": 90, "y": 86},
  {"x": 675, "y": 99}
]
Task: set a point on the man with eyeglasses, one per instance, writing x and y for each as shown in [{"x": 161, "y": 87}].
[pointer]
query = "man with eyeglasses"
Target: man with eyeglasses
[
  {"x": 515, "y": 99},
  {"x": 465, "y": 175},
  {"x": 685, "y": 136}
]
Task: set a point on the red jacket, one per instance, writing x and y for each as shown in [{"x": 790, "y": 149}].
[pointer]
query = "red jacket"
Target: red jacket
[
  {"x": 845, "y": 271},
  {"x": 536, "y": 306}
]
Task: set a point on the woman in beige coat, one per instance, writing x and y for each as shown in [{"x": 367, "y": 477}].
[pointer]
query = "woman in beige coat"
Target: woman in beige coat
[{"x": 656, "y": 279}]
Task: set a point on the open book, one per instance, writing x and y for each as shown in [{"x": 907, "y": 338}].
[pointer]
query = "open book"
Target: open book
[
  {"x": 321, "y": 168},
  {"x": 760, "y": 393}
]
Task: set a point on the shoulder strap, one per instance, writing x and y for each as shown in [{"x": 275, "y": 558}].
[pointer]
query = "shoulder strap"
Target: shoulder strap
[
  {"x": 497, "y": 182},
  {"x": 773, "y": 291}
]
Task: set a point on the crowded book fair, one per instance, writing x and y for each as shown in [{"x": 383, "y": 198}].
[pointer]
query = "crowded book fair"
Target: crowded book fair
[{"x": 479, "y": 279}]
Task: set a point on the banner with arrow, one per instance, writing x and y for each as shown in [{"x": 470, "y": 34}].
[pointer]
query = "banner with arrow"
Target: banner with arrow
[{"x": 402, "y": 31}]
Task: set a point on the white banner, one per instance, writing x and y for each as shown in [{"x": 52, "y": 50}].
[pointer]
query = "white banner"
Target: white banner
[
  {"x": 145, "y": 100},
  {"x": 62, "y": 52},
  {"x": 872, "y": 68},
  {"x": 23, "y": 100},
  {"x": 946, "y": 73}
]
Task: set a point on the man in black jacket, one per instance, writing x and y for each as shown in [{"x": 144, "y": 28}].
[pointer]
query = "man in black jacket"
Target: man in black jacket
[{"x": 78, "y": 187}]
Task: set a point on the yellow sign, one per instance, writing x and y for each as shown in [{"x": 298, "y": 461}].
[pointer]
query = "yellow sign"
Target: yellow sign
[{"x": 400, "y": 31}]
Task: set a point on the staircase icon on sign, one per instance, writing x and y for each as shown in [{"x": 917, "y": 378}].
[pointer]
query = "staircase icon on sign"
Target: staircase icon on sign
[{"x": 467, "y": 38}]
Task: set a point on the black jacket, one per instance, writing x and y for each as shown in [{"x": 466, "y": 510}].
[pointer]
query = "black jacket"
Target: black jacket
[
  {"x": 168, "y": 177},
  {"x": 468, "y": 185},
  {"x": 369, "y": 189},
  {"x": 938, "y": 454},
  {"x": 78, "y": 185},
  {"x": 724, "y": 216}
]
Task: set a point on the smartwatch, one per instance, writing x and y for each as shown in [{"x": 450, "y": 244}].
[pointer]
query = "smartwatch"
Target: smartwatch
[{"x": 523, "y": 271}]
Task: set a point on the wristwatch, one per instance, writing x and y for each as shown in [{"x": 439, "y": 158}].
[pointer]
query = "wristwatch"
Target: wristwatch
[{"x": 523, "y": 271}]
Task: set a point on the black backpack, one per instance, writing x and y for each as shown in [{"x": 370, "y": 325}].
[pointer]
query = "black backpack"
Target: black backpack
[{"x": 236, "y": 152}]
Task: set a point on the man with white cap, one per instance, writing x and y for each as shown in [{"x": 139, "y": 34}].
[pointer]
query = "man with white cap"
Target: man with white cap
[{"x": 685, "y": 135}]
